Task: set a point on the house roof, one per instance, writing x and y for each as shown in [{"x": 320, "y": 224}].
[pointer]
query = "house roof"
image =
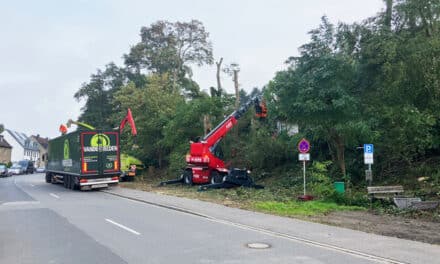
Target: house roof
[
  {"x": 23, "y": 140},
  {"x": 4, "y": 143},
  {"x": 44, "y": 142}
]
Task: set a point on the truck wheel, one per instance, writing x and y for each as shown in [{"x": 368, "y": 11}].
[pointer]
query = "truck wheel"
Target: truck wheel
[
  {"x": 65, "y": 181},
  {"x": 122, "y": 177},
  {"x": 188, "y": 177},
  {"x": 71, "y": 183},
  {"x": 52, "y": 179},
  {"x": 48, "y": 177},
  {"x": 216, "y": 177}
]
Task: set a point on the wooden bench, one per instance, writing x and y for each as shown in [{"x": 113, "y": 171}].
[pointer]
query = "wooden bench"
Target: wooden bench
[{"x": 384, "y": 191}]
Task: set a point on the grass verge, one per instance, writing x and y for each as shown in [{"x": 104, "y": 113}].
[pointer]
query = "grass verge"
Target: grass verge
[
  {"x": 295, "y": 208},
  {"x": 275, "y": 201}
]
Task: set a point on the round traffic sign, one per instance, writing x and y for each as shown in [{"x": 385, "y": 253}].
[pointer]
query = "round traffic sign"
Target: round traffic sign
[{"x": 304, "y": 145}]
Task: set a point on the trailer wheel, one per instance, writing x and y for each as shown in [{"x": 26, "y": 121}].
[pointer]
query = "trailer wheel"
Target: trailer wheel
[
  {"x": 66, "y": 181},
  {"x": 216, "y": 177},
  {"x": 52, "y": 178},
  {"x": 48, "y": 177},
  {"x": 188, "y": 177},
  {"x": 74, "y": 185},
  {"x": 71, "y": 183}
]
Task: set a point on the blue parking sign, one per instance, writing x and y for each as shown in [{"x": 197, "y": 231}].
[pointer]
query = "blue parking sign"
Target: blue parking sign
[{"x": 368, "y": 148}]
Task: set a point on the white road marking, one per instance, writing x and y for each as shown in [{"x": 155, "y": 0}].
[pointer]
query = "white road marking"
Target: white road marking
[
  {"x": 54, "y": 195},
  {"x": 123, "y": 227},
  {"x": 20, "y": 203}
]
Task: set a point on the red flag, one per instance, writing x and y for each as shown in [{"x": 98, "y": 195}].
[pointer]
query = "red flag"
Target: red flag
[{"x": 128, "y": 118}]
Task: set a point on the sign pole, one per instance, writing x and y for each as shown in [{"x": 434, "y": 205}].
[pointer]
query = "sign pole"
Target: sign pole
[
  {"x": 370, "y": 177},
  {"x": 304, "y": 155},
  {"x": 304, "y": 174},
  {"x": 368, "y": 159}
]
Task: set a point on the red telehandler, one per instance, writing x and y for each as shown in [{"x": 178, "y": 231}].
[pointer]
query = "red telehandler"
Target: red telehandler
[{"x": 204, "y": 164}]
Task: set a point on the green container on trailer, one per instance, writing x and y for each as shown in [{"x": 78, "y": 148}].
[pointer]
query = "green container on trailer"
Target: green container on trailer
[
  {"x": 88, "y": 155},
  {"x": 339, "y": 187}
]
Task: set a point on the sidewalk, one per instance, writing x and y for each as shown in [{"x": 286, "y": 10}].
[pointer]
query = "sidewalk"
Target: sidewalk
[{"x": 386, "y": 247}]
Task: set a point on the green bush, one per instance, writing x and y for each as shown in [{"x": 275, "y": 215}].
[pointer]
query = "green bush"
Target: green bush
[
  {"x": 353, "y": 199},
  {"x": 319, "y": 183},
  {"x": 177, "y": 159}
]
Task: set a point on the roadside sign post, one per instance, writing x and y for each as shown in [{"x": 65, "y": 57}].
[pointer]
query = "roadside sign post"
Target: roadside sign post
[
  {"x": 368, "y": 159},
  {"x": 304, "y": 155}
]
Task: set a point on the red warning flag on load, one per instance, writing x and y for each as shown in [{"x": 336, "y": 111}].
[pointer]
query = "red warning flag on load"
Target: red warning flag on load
[{"x": 128, "y": 118}]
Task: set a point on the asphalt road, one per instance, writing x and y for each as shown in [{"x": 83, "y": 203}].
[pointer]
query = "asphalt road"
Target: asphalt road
[{"x": 45, "y": 223}]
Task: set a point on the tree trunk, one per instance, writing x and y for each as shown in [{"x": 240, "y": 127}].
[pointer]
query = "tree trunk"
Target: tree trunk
[
  {"x": 339, "y": 146},
  {"x": 425, "y": 23},
  {"x": 388, "y": 14},
  {"x": 237, "y": 93},
  {"x": 237, "y": 99},
  {"x": 219, "y": 85},
  {"x": 159, "y": 159},
  {"x": 340, "y": 153},
  {"x": 207, "y": 126}
]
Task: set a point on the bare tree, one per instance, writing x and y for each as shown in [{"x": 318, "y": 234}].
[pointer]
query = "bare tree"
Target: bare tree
[
  {"x": 233, "y": 69},
  {"x": 219, "y": 84}
]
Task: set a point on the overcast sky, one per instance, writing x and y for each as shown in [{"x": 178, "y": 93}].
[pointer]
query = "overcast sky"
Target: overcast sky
[{"x": 48, "y": 48}]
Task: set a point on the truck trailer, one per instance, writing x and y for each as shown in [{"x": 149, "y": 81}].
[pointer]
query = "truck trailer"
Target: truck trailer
[{"x": 84, "y": 159}]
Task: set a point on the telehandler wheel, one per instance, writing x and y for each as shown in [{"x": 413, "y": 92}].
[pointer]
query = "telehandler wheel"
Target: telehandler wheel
[
  {"x": 188, "y": 177},
  {"x": 216, "y": 177}
]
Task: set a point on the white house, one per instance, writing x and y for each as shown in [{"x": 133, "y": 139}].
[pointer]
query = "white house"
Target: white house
[
  {"x": 290, "y": 129},
  {"x": 23, "y": 148}
]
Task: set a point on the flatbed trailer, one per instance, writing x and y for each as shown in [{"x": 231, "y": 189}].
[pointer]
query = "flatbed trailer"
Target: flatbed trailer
[{"x": 84, "y": 159}]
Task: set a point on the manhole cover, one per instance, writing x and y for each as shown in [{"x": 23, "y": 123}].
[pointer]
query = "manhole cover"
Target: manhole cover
[{"x": 258, "y": 245}]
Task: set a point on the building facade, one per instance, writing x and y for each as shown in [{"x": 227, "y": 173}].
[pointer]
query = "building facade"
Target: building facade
[
  {"x": 23, "y": 148},
  {"x": 43, "y": 144},
  {"x": 5, "y": 151}
]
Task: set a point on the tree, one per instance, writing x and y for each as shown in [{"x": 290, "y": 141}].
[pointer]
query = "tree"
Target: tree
[
  {"x": 98, "y": 93},
  {"x": 399, "y": 84},
  {"x": 318, "y": 92},
  {"x": 153, "y": 106},
  {"x": 167, "y": 47},
  {"x": 187, "y": 124},
  {"x": 418, "y": 16}
]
